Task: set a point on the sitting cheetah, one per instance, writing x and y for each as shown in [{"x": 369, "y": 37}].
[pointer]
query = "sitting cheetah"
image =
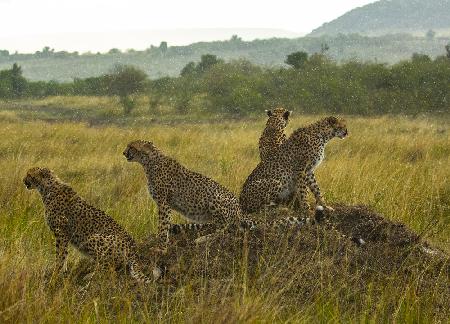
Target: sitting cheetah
[
  {"x": 90, "y": 230},
  {"x": 273, "y": 135},
  {"x": 285, "y": 174},
  {"x": 174, "y": 187}
]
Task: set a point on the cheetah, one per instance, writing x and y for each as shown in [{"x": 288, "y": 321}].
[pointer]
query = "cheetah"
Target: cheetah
[
  {"x": 73, "y": 220},
  {"x": 285, "y": 175},
  {"x": 273, "y": 135},
  {"x": 174, "y": 187}
]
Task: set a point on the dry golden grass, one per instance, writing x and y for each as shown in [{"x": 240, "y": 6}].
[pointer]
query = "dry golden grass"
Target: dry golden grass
[{"x": 400, "y": 166}]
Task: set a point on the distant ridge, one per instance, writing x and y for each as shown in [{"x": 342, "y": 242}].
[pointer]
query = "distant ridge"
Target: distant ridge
[
  {"x": 135, "y": 39},
  {"x": 390, "y": 17},
  {"x": 159, "y": 62}
]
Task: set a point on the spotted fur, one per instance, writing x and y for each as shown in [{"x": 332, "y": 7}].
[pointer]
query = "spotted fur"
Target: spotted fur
[
  {"x": 273, "y": 135},
  {"x": 287, "y": 173},
  {"x": 73, "y": 220},
  {"x": 174, "y": 187}
]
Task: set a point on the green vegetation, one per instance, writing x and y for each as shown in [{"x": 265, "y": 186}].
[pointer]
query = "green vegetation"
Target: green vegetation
[
  {"x": 157, "y": 62},
  {"x": 123, "y": 82},
  {"x": 398, "y": 165},
  {"x": 392, "y": 16},
  {"x": 12, "y": 83},
  {"x": 297, "y": 60},
  {"x": 314, "y": 84}
]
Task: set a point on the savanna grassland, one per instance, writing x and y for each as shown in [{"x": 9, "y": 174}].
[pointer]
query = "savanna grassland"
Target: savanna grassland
[{"x": 397, "y": 165}]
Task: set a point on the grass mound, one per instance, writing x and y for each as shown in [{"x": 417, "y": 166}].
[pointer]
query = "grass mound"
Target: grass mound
[{"x": 353, "y": 254}]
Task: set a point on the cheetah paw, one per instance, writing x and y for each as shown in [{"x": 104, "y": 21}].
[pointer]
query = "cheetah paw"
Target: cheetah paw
[
  {"x": 324, "y": 208},
  {"x": 203, "y": 239},
  {"x": 156, "y": 273}
]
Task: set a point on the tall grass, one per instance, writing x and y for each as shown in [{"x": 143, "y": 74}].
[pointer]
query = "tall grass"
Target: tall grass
[{"x": 400, "y": 166}]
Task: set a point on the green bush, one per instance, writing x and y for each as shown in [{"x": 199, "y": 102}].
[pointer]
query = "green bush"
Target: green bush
[{"x": 311, "y": 84}]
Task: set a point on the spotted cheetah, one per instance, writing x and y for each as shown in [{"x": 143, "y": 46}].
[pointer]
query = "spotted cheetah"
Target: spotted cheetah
[
  {"x": 286, "y": 174},
  {"x": 174, "y": 187},
  {"x": 273, "y": 135},
  {"x": 73, "y": 220}
]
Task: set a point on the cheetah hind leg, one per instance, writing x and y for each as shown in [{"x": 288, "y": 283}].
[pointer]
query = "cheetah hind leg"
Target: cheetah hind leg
[
  {"x": 299, "y": 201},
  {"x": 137, "y": 273},
  {"x": 109, "y": 254}
]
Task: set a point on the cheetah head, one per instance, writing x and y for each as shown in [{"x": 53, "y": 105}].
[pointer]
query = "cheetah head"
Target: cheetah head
[
  {"x": 337, "y": 126},
  {"x": 138, "y": 151},
  {"x": 36, "y": 177},
  {"x": 279, "y": 115}
]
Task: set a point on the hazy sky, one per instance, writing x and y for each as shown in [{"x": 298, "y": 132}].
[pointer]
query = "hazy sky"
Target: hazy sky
[{"x": 20, "y": 19}]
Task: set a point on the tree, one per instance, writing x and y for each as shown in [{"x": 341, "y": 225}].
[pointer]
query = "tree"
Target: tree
[
  {"x": 234, "y": 88},
  {"x": 430, "y": 34},
  {"x": 420, "y": 58},
  {"x": 297, "y": 59},
  {"x": 324, "y": 48},
  {"x": 235, "y": 38},
  {"x": 12, "y": 83},
  {"x": 188, "y": 69},
  {"x": 114, "y": 51},
  {"x": 206, "y": 62},
  {"x": 47, "y": 51},
  {"x": 163, "y": 47},
  {"x": 447, "y": 48},
  {"x": 125, "y": 81},
  {"x": 18, "y": 82}
]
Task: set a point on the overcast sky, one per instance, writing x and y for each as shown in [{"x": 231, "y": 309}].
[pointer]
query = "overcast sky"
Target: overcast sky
[{"x": 28, "y": 25}]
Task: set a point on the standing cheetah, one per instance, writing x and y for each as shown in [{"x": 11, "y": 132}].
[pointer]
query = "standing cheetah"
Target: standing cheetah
[
  {"x": 90, "y": 230},
  {"x": 285, "y": 174},
  {"x": 273, "y": 135},
  {"x": 174, "y": 187}
]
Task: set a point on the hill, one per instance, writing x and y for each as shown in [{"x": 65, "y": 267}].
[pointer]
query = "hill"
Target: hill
[
  {"x": 161, "y": 61},
  {"x": 392, "y": 16}
]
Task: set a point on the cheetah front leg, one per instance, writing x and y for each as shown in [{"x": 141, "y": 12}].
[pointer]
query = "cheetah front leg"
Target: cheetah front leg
[
  {"x": 314, "y": 187},
  {"x": 164, "y": 225},
  {"x": 61, "y": 244},
  {"x": 299, "y": 200}
]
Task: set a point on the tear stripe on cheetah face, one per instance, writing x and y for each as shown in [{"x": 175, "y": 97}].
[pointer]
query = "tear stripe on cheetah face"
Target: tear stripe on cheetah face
[
  {"x": 73, "y": 220},
  {"x": 290, "y": 170},
  {"x": 175, "y": 187}
]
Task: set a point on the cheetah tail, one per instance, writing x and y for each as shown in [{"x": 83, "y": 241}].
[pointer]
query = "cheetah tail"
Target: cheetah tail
[
  {"x": 191, "y": 228},
  {"x": 289, "y": 222},
  {"x": 286, "y": 222}
]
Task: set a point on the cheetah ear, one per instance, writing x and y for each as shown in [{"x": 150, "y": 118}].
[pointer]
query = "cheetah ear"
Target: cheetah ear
[
  {"x": 268, "y": 112},
  {"x": 46, "y": 173},
  {"x": 287, "y": 114},
  {"x": 332, "y": 120}
]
